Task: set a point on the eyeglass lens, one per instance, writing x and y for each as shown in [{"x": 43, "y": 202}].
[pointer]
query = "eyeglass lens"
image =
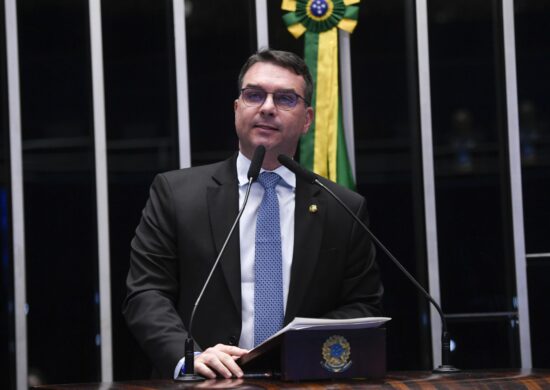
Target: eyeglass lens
[{"x": 256, "y": 97}]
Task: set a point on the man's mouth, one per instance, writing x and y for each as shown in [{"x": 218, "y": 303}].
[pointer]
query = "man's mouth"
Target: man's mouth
[{"x": 266, "y": 126}]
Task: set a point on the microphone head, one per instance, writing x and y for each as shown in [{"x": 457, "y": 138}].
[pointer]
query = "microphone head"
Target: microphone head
[
  {"x": 256, "y": 163},
  {"x": 297, "y": 168}
]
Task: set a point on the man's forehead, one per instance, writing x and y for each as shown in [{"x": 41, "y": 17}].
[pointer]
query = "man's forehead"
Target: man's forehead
[
  {"x": 267, "y": 72},
  {"x": 271, "y": 67}
]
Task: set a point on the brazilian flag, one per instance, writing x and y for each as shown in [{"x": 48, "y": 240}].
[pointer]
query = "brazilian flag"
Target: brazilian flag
[{"x": 323, "y": 148}]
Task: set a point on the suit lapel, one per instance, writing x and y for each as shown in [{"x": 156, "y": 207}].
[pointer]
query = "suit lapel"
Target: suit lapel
[
  {"x": 308, "y": 232},
  {"x": 223, "y": 204}
]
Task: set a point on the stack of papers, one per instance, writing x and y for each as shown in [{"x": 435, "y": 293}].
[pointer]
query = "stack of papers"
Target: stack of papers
[{"x": 328, "y": 324}]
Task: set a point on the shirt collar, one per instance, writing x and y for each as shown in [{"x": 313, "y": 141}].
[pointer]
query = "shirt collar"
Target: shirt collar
[{"x": 243, "y": 163}]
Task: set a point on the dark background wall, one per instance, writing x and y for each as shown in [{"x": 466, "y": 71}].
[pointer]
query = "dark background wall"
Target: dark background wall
[{"x": 470, "y": 160}]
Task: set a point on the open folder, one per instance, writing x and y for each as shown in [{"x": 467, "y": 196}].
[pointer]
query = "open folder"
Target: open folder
[
  {"x": 299, "y": 323},
  {"x": 296, "y": 350}
]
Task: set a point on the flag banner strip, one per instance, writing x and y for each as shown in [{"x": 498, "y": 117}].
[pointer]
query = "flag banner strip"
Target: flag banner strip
[
  {"x": 307, "y": 143},
  {"x": 323, "y": 148},
  {"x": 326, "y": 108},
  {"x": 344, "y": 174}
]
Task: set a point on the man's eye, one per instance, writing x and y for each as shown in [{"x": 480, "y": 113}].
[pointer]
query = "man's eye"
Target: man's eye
[
  {"x": 286, "y": 99},
  {"x": 254, "y": 95}
]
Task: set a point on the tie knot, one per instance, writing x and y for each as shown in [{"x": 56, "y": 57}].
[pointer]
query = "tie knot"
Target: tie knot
[{"x": 269, "y": 179}]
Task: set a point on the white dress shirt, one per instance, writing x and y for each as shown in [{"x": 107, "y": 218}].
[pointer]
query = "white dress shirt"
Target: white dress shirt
[{"x": 286, "y": 193}]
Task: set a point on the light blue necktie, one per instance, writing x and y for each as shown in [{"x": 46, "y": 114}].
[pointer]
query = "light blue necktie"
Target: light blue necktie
[{"x": 268, "y": 266}]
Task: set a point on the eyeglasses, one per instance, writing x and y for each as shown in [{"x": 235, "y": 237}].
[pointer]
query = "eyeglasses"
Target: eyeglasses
[{"x": 284, "y": 100}]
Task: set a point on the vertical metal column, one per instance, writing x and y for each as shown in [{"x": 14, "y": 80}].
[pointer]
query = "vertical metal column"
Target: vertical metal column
[
  {"x": 102, "y": 197},
  {"x": 428, "y": 171},
  {"x": 514, "y": 157},
  {"x": 18, "y": 215},
  {"x": 180, "y": 48},
  {"x": 347, "y": 97},
  {"x": 262, "y": 32}
]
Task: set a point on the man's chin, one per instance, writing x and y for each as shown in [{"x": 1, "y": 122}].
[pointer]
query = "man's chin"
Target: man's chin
[
  {"x": 267, "y": 143},
  {"x": 272, "y": 149},
  {"x": 249, "y": 149}
]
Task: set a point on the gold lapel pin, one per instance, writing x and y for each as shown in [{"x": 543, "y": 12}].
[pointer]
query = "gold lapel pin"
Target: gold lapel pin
[{"x": 313, "y": 208}]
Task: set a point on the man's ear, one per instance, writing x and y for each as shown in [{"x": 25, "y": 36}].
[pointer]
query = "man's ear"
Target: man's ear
[
  {"x": 235, "y": 104},
  {"x": 309, "y": 119}
]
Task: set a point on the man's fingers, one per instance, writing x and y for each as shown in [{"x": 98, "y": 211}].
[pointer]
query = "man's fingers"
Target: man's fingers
[
  {"x": 220, "y": 360},
  {"x": 203, "y": 370},
  {"x": 231, "y": 350},
  {"x": 216, "y": 361},
  {"x": 229, "y": 362}
]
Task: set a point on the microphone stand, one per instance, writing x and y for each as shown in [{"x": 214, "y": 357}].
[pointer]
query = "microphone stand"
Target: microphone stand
[
  {"x": 189, "y": 371},
  {"x": 189, "y": 353},
  {"x": 445, "y": 367}
]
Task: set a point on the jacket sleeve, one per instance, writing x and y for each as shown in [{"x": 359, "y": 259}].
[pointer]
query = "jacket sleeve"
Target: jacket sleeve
[{"x": 152, "y": 285}]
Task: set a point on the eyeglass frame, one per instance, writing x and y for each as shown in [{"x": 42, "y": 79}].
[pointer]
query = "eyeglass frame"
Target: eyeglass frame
[{"x": 272, "y": 93}]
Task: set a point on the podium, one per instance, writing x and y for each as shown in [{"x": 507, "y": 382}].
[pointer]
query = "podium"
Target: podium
[
  {"x": 414, "y": 380},
  {"x": 312, "y": 354}
]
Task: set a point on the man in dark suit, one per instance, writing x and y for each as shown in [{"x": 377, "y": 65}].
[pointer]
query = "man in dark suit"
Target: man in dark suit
[{"x": 328, "y": 265}]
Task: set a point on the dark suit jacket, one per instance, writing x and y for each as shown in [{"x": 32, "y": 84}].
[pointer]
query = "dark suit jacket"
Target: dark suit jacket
[{"x": 183, "y": 226}]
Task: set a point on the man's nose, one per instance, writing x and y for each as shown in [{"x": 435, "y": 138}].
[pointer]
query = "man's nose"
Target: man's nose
[{"x": 268, "y": 106}]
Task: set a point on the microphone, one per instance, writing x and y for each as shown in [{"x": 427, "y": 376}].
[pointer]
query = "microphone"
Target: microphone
[
  {"x": 256, "y": 164},
  {"x": 253, "y": 172},
  {"x": 310, "y": 177}
]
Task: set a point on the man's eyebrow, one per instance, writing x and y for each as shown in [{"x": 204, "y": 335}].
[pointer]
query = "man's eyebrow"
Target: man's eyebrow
[
  {"x": 256, "y": 86},
  {"x": 285, "y": 90},
  {"x": 252, "y": 86}
]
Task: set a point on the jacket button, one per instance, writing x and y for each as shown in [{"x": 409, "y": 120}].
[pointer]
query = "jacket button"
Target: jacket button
[{"x": 232, "y": 340}]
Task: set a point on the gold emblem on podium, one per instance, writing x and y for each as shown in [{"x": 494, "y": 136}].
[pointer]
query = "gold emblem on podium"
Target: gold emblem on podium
[{"x": 336, "y": 353}]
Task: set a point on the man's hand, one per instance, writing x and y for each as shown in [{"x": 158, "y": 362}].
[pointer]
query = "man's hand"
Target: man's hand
[{"x": 219, "y": 360}]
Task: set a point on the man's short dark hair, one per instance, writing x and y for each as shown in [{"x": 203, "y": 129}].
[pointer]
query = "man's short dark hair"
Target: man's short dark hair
[{"x": 283, "y": 59}]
